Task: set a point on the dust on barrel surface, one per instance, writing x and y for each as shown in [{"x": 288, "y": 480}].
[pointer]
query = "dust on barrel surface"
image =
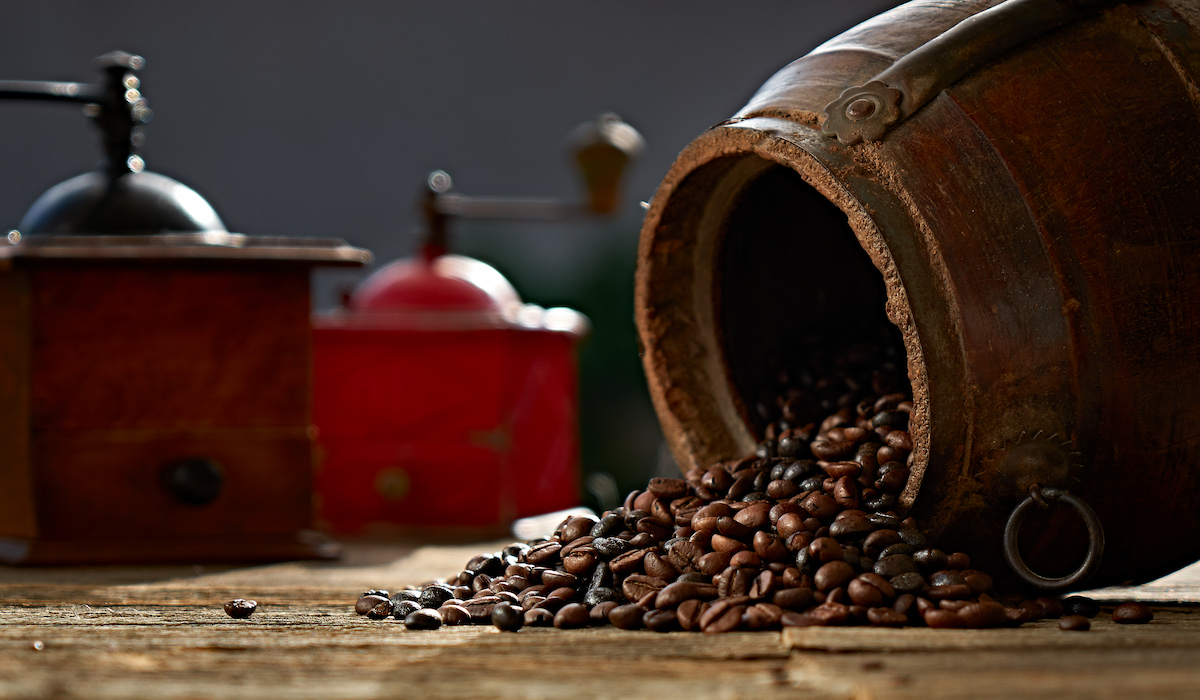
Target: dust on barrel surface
[{"x": 1028, "y": 234}]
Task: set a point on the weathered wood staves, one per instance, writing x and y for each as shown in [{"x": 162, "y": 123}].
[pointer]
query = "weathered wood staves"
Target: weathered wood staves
[{"x": 1028, "y": 227}]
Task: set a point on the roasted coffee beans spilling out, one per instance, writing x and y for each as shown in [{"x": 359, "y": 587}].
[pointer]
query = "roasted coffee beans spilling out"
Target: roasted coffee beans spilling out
[
  {"x": 803, "y": 532},
  {"x": 806, "y": 531}
]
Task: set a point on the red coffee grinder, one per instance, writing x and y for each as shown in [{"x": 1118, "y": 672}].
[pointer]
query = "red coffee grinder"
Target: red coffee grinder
[{"x": 440, "y": 399}]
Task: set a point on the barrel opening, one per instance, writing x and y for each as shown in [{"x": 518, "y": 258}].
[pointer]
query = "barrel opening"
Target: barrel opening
[{"x": 800, "y": 307}]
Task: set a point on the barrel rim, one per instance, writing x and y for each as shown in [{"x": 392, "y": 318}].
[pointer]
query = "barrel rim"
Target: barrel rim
[{"x": 757, "y": 144}]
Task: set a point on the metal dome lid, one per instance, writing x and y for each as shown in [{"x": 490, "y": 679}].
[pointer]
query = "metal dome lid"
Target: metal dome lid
[
  {"x": 123, "y": 212},
  {"x": 446, "y": 293},
  {"x": 442, "y": 284},
  {"x": 134, "y": 203}
]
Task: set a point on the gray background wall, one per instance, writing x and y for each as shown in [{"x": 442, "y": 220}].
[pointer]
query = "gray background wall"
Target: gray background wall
[{"x": 322, "y": 119}]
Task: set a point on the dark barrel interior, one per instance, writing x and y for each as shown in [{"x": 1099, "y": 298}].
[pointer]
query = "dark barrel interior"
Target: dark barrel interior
[{"x": 791, "y": 277}]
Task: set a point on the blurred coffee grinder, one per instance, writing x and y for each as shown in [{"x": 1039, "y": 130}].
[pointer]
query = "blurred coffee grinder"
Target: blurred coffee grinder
[
  {"x": 441, "y": 400},
  {"x": 154, "y": 366}
]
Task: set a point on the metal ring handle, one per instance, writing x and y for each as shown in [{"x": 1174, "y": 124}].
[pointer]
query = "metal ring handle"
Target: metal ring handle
[{"x": 1095, "y": 550}]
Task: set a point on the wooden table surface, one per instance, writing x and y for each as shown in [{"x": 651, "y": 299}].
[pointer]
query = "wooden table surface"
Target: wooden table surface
[{"x": 160, "y": 632}]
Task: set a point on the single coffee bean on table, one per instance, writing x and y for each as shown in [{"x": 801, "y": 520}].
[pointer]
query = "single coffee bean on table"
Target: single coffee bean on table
[
  {"x": 1074, "y": 623},
  {"x": 1080, "y": 605},
  {"x": 1132, "y": 614},
  {"x": 240, "y": 608},
  {"x": 423, "y": 619}
]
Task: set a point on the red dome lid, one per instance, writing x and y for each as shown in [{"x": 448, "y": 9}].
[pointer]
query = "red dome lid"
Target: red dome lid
[{"x": 447, "y": 283}]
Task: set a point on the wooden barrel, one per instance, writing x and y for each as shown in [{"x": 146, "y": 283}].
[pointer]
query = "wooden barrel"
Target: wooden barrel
[{"x": 1024, "y": 209}]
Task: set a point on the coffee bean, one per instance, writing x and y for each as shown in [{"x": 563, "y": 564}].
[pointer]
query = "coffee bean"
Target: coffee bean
[
  {"x": 382, "y": 609},
  {"x": 886, "y": 617},
  {"x": 713, "y": 563},
  {"x": 572, "y": 616},
  {"x": 746, "y": 559},
  {"x": 884, "y": 520},
  {"x": 507, "y": 618},
  {"x": 434, "y": 595},
  {"x": 423, "y": 619},
  {"x": 1132, "y": 614},
  {"x": 838, "y": 470},
  {"x": 914, "y": 537},
  {"x": 543, "y": 552},
  {"x": 930, "y": 560},
  {"x": 1052, "y": 606},
  {"x": 830, "y": 614},
  {"x": 454, "y": 614},
  {"x": 731, "y": 528},
  {"x": 943, "y": 619},
  {"x": 240, "y": 608},
  {"x": 793, "y": 598},
  {"x": 365, "y": 604},
  {"x": 897, "y": 420},
  {"x": 983, "y": 615},
  {"x": 850, "y": 524},
  {"x": 538, "y": 617},
  {"x": 574, "y": 527},
  {"x": 909, "y": 582},
  {"x": 892, "y": 550},
  {"x": 957, "y": 560},
  {"x": 1074, "y": 623},
  {"x": 977, "y": 580},
  {"x": 689, "y": 612},
  {"x": 608, "y": 525},
  {"x": 833, "y": 574},
  {"x": 727, "y": 545},
  {"x": 892, "y": 566},
  {"x": 952, "y": 591},
  {"x": 763, "y": 585},
  {"x": 489, "y": 564},
  {"x": 728, "y": 620},
  {"x": 627, "y": 617},
  {"x": 609, "y": 547},
  {"x": 893, "y": 476},
  {"x": 825, "y": 549},
  {"x": 638, "y": 586},
  {"x": 559, "y": 579},
  {"x": 682, "y": 555},
  {"x": 414, "y": 594},
  {"x": 762, "y": 616},
  {"x": 628, "y": 562},
  {"x": 1079, "y": 605},
  {"x": 564, "y": 593},
  {"x": 404, "y": 608},
  {"x": 580, "y": 560},
  {"x": 599, "y": 595},
  {"x": 669, "y": 489},
  {"x": 676, "y": 593},
  {"x": 820, "y": 506},
  {"x": 660, "y": 620},
  {"x": 947, "y": 578}
]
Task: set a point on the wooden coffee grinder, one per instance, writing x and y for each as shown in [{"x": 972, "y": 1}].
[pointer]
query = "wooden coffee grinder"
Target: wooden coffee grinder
[{"x": 154, "y": 367}]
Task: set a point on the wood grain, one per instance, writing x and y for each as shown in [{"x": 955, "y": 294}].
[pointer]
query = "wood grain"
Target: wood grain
[{"x": 159, "y": 631}]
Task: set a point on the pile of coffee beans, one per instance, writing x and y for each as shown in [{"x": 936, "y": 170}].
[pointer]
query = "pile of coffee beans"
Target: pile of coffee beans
[{"x": 804, "y": 532}]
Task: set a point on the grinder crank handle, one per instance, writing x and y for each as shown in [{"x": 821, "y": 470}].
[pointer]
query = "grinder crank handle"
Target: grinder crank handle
[{"x": 117, "y": 105}]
